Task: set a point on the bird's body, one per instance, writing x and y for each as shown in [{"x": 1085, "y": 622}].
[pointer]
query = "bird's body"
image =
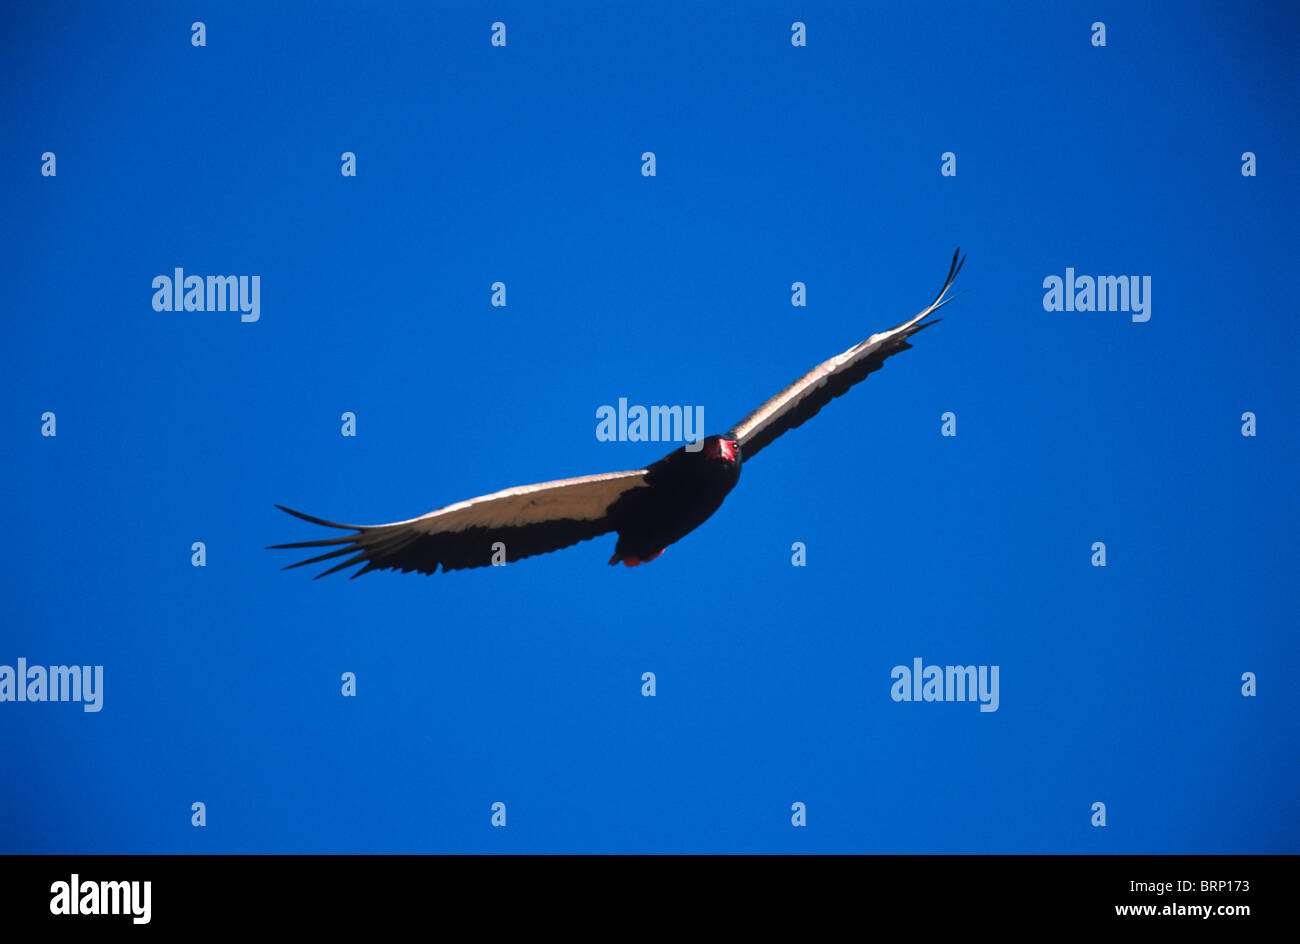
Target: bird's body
[
  {"x": 650, "y": 508},
  {"x": 683, "y": 490}
]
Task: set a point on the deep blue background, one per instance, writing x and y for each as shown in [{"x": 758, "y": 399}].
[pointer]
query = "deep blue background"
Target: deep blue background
[{"x": 775, "y": 164}]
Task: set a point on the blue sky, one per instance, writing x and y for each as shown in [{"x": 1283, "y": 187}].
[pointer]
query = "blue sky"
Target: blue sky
[{"x": 774, "y": 164}]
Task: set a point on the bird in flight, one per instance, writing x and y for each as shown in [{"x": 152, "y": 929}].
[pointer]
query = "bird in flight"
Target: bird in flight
[{"x": 650, "y": 508}]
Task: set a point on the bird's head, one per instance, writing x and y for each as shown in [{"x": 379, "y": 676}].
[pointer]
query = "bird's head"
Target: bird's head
[{"x": 728, "y": 450}]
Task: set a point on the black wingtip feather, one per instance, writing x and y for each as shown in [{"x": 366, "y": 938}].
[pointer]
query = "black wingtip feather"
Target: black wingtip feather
[
  {"x": 323, "y": 542},
  {"x": 343, "y": 566},
  {"x": 327, "y": 556},
  {"x": 321, "y": 521},
  {"x": 958, "y": 260},
  {"x": 326, "y": 542},
  {"x": 955, "y": 268}
]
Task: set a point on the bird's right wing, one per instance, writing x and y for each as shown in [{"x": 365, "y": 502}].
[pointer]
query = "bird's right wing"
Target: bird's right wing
[
  {"x": 806, "y": 396},
  {"x": 527, "y": 520}
]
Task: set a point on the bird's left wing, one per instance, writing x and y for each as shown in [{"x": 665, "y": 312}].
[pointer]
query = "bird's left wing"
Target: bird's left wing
[
  {"x": 806, "y": 396},
  {"x": 527, "y": 520}
]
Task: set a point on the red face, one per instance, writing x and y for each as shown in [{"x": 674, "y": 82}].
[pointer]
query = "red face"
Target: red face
[{"x": 722, "y": 449}]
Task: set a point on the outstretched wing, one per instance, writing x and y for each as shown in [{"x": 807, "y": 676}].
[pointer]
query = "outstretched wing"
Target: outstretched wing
[
  {"x": 802, "y": 399},
  {"x": 528, "y": 520}
]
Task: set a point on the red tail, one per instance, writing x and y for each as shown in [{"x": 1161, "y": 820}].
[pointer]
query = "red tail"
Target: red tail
[{"x": 636, "y": 561}]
